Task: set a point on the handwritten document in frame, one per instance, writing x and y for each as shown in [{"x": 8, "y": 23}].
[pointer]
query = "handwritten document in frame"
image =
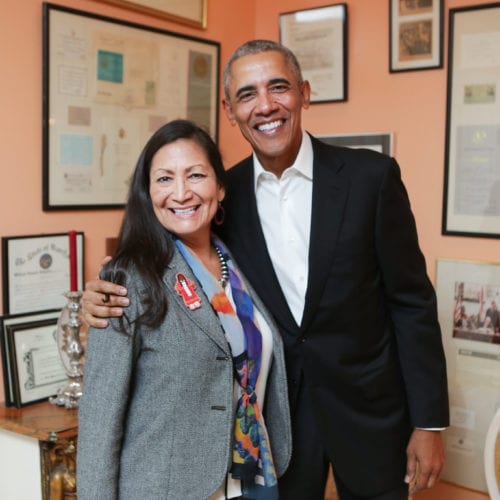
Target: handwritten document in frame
[{"x": 108, "y": 85}]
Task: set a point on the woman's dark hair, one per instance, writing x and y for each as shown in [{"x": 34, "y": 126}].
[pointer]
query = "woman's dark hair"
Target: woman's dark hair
[{"x": 143, "y": 243}]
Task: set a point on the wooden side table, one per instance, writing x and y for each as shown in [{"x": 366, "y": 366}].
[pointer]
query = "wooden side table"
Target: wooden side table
[{"x": 56, "y": 430}]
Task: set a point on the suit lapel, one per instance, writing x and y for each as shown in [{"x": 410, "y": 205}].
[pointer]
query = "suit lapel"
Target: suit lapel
[
  {"x": 330, "y": 192},
  {"x": 204, "y": 317}
]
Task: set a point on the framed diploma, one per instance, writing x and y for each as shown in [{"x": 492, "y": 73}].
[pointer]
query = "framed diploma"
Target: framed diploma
[
  {"x": 471, "y": 201},
  {"x": 32, "y": 367},
  {"x": 107, "y": 86},
  {"x": 190, "y": 12},
  {"x": 318, "y": 38},
  {"x": 415, "y": 35},
  {"x": 36, "y": 271},
  {"x": 381, "y": 142},
  {"x": 468, "y": 296}
]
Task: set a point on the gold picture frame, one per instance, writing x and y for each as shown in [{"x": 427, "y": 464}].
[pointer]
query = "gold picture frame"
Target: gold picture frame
[{"x": 190, "y": 12}]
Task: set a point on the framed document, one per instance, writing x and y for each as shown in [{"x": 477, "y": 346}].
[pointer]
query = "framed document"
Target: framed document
[
  {"x": 415, "y": 34},
  {"x": 468, "y": 304},
  {"x": 190, "y": 12},
  {"x": 32, "y": 367},
  {"x": 36, "y": 271},
  {"x": 107, "y": 86},
  {"x": 318, "y": 38},
  {"x": 381, "y": 142},
  {"x": 472, "y": 155}
]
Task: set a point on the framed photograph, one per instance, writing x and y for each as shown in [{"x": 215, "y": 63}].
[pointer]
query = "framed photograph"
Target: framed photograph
[
  {"x": 32, "y": 367},
  {"x": 107, "y": 86},
  {"x": 415, "y": 35},
  {"x": 318, "y": 37},
  {"x": 381, "y": 142},
  {"x": 190, "y": 12},
  {"x": 468, "y": 296},
  {"x": 471, "y": 200},
  {"x": 36, "y": 271}
]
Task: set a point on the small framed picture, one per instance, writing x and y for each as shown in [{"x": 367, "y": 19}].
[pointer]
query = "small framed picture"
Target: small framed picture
[
  {"x": 32, "y": 367},
  {"x": 381, "y": 142},
  {"x": 36, "y": 271},
  {"x": 318, "y": 38},
  {"x": 416, "y": 35}
]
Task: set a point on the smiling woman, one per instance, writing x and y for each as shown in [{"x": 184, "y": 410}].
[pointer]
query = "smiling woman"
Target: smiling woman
[{"x": 190, "y": 362}]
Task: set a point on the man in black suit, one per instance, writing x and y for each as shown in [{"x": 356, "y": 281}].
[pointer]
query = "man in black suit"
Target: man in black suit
[{"x": 327, "y": 238}]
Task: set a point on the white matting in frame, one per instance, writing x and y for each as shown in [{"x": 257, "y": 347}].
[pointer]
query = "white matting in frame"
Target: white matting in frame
[
  {"x": 36, "y": 271},
  {"x": 380, "y": 141},
  {"x": 466, "y": 292}
]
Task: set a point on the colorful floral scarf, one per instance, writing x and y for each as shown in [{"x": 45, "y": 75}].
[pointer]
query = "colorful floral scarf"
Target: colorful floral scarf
[{"x": 252, "y": 458}]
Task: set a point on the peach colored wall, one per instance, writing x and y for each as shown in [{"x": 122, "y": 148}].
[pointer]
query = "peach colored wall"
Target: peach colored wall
[
  {"x": 21, "y": 117},
  {"x": 410, "y": 105}
]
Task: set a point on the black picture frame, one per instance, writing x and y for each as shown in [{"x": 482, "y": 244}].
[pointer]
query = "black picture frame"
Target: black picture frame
[
  {"x": 108, "y": 85},
  {"x": 36, "y": 271},
  {"x": 415, "y": 35},
  {"x": 318, "y": 38},
  {"x": 471, "y": 194},
  {"x": 380, "y": 141},
  {"x": 21, "y": 386}
]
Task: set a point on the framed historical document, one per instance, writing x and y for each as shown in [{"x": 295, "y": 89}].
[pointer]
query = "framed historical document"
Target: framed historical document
[
  {"x": 107, "y": 86},
  {"x": 415, "y": 34},
  {"x": 32, "y": 367},
  {"x": 471, "y": 201},
  {"x": 190, "y": 12},
  {"x": 36, "y": 271},
  {"x": 381, "y": 142},
  {"x": 318, "y": 37},
  {"x": 468, "y": 296}
]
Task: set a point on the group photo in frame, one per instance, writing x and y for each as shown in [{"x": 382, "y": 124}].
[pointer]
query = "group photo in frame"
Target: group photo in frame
[
  {"x": 318, "y": 37},
  {"x": 471, "y": 199},
  {"x": 189, "y": 12},
  {"x": 32, "y": 367},
  {"x": 36, "y": 271},
  {"x": 415, "y": 35},
  {"x": 380, "y": 142},
  {"x": 108, "y": 85},
  {"x": 468, "y": 297}
]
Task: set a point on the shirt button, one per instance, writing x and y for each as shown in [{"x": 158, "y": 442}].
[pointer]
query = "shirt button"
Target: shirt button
[{"x": 303, "y": 339}]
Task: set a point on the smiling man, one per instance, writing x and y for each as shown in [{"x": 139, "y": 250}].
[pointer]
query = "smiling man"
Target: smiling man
[{"x": 327, "y": 238}]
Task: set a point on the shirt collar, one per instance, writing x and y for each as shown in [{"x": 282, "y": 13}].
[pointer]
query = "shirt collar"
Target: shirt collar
[{"x": 303, "y": 163}]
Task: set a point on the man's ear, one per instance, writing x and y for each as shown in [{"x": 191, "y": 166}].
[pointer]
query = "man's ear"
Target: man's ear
[
  {"x": 305, "y": 90},
  {"x": 229, "y": 112}
]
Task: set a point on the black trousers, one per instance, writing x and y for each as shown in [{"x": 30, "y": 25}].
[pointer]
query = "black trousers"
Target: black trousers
[{"x": 306, "y": 476}]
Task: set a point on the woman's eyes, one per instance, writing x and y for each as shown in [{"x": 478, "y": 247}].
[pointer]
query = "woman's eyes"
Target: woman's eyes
[{"x": 191, "y": 177}]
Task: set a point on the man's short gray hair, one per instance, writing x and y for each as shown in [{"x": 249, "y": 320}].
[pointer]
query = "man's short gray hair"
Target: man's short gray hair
[{"x": 256, "y": 47}]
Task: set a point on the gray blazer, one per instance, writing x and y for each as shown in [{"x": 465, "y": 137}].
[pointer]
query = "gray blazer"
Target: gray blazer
[{"x": 156, "y": 416}]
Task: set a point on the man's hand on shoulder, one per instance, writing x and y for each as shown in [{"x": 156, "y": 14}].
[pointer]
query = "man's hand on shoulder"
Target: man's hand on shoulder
[{"x": 102, "y": 299}]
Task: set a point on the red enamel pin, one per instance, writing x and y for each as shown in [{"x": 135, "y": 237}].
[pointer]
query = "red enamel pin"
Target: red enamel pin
[{"x": 186, "y": 289}]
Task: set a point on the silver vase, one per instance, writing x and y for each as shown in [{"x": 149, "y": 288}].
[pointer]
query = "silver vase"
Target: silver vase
[{"x": 71, "y": 351}]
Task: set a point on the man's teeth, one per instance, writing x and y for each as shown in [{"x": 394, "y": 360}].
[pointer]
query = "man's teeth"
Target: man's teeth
[{"x": 270, "y": 126}]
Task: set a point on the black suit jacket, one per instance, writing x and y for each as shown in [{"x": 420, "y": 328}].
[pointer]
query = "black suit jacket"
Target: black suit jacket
[{"x": 369, "y": 347}]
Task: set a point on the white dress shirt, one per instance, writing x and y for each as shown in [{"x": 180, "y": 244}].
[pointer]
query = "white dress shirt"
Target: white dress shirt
[{"x": 284, "y": 207}]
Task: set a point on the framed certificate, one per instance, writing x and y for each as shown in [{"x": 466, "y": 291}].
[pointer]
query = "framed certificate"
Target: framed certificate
[
  {"x": 471, "y": 201},
  {"x": 108, "y": 85},
  {"x": 36, "y": 271},
  {"x": 318, "y": 38},
  {"x": 32, "y": 367}
]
